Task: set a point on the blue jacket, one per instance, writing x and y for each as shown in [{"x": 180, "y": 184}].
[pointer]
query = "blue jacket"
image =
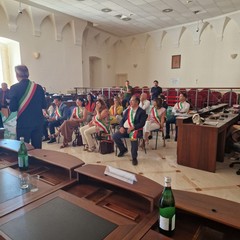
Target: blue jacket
[
  {"x": 139, "y": 119},
  {"x": 32, "y": 116}
]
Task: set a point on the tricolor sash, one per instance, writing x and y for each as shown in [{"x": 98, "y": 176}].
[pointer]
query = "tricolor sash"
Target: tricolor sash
[
  {"x": 58, "y": 113},
  {"x": 27, "y": 97},
  {"x": 180, "y": 106},
  {"x": 134, "y": 133},
  {"x": 77, "y": 112},
  {"x": 156, "y": 116},
  {"x": 103, "y": 126}
]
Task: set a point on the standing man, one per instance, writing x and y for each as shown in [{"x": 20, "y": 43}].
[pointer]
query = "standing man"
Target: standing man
[
  {"x": 4, "y": 95},
  {"x": 131, "y": 126},
  {"x": 155, "y": 90},
  {"x": 27, "y": 98},
  {"x": 127, "y": 91},
  {"x": 181, "y": 107}
]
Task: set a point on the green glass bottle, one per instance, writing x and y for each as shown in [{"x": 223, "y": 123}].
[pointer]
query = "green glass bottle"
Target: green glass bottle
[
  {"x": 22, "y": 156},
  {"x": 167, "y": 209}
]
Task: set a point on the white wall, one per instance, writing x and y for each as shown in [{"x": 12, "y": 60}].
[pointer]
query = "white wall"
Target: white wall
[
  {"x": 59, "y": 67},
  {"x": 204, "y": 63},
  {"x": 65, "y": 45}
]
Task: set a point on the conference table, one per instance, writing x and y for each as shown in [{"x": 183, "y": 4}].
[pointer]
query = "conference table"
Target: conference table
[{"x": 81, "y": 201}]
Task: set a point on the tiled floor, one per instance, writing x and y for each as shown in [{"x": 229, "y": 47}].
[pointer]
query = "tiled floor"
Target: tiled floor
[{"x": 224, "y": 183}]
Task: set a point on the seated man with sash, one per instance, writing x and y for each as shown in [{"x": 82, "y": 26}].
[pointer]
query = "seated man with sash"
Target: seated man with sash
[
  {"x": 27, "y": 98},
  {"x": 60, "y": 115},
  {"x": 181, "y": 107},
  {"x": 131, "y": 126}
]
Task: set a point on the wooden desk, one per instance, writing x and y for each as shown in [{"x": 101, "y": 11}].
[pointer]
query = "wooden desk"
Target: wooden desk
[
  {"x": 54, "y": 169},
  {"x": 78, "y": 209},
  {"x": 63, "y": 160},
  {"x": 17, "y": 198},
  {"x": 200, "y": 146},
  {"x": 124, "y": 209},
  {"x": 13, "y": 145},
  {"x": 8, "y": 152}
]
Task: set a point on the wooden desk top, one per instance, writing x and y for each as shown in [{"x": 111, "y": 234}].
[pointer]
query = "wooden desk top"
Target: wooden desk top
[
  {"x": 13, "y": 201},
  {"x": 72, "y": 223},
  {"x": 13, "y": 145},
  {"x": 216, "y": 209},
  {"x": 203, "y": 111},
  {"x": 60, "y": 159},
  {"x": 144, "y": 186}
]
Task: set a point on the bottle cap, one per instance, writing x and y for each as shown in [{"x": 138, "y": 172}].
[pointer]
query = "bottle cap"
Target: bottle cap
[{"x": 167, "y": 179}]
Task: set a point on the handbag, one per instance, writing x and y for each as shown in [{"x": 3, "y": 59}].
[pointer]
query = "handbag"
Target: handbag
[
  {"x": 79, "y": 140},
  {"x": 106, "y": 146}
]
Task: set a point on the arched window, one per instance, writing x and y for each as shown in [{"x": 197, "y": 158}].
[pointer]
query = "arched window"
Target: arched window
[{"x": 9, "y": 58}]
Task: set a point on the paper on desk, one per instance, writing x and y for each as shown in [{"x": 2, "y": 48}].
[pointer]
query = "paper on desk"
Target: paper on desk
[
  {"x": 120, "y": 174},
  {"x": 210, "y": 123}
]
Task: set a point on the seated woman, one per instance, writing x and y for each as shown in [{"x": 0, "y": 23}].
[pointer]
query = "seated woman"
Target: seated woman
[
  {"x": 156, "y": 118},
  {"x": 115, "y": 111},
  {"x": 90, "y": 106},
  {"x": 100, "y": 122},
  {"x": 77, "y": 119}
]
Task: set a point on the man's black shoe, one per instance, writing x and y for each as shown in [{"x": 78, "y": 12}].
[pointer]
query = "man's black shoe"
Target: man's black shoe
[
  {"x": 46, "y": 139},
  {"x": 122, "y": 152},
  {"x": 167, "y": 137},
  {"x": 52, "y": 140},
  {"x": 134, "y": 162}
]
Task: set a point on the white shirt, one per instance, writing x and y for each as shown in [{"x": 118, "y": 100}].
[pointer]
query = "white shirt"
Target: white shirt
[
  {"x": 126, "y": 124},
  {"x": 145, "y": 105},
  {"x": 181, "y": 107}
]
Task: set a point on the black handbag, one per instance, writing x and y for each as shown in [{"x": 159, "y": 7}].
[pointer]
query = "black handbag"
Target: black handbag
[
  {"x": 106, "y": 146},
  {"x": 77, "y": 141}
]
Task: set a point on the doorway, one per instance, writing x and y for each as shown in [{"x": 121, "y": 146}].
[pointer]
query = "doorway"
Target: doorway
[
  {"x": 95, "y": 72},
  {"x": 121, "y": 79}
]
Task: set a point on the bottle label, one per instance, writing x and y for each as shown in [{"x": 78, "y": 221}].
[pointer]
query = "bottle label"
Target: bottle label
[
  {"x": 167, "y": 224},
  {"x": 23, "y": 161}
]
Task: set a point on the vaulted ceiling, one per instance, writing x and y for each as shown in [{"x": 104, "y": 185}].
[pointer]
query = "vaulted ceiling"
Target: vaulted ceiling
[{"x": 129, "y": 17}]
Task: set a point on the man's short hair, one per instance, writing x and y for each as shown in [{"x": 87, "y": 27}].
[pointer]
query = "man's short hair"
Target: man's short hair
[
  {"x": 22, "y": 71},
  {"x": 58, "y": 97},
  {"x": 155, "y": 81}
]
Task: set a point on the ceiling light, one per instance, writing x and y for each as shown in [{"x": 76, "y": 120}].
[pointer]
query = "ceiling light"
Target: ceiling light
[
  {"x": 106, "y": 10},
  {"x": 125, "y": 18},
  {"x": 196, "y": 12},
  {"x": 167, "y": 10}
]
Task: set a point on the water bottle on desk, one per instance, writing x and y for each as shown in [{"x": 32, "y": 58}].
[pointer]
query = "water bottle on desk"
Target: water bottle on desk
[
  {"x": 22, "y": 156},
  {"x": 167, "y": 209}
]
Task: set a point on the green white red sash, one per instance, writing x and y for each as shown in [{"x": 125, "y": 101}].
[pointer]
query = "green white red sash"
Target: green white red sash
[
  {"x": 156, "y": 116},
  {"x": 58, "y": 113},
  {"x": 27, "y": 97},
  {"x": 180, "y": 106},
  {"x": 77, "y": 112},
  {"x": 104, "y": 127},
  {"x": 132, "y": 134}
]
